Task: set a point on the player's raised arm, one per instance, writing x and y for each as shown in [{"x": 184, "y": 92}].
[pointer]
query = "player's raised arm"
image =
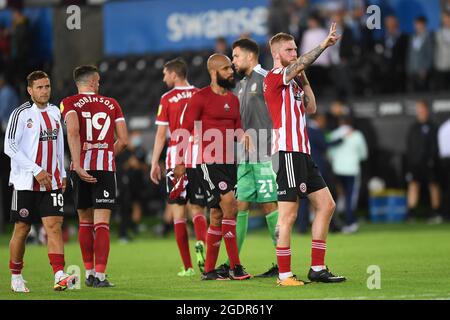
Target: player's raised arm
[{"x": 304, "y": 61}]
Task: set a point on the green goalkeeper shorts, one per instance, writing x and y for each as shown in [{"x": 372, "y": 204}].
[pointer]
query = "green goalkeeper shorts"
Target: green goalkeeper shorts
[{"x": 257, "y": 182}]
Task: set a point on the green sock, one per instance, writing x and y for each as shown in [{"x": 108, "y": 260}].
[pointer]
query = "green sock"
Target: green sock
[
  {"x": 271, "y": 220},
  {"x": 241, "y": 229}
]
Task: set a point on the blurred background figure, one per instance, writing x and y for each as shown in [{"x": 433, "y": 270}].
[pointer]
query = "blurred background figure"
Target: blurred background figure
[
  {"x": 419, "y": 56},
  {"x": 20, "y": 48},
  {"x": 131, "y": 170},
  {"x": 278, "y": 19},
  {"x": 442, "y": 54},
  {"x": 317, "y": 72},
  {"x": 317, "y": 124},
  {"x": 299, "y": 13},
  {"x": 392, "y": 49},
  {"x": 222, "y": 47},
  {"x": 341, "y": 56},
  {"x": 422, "y": 163},
  {"x": 8, "y": 100},
  {"x": 346, "y": 160},
  {"x": 444, "y": 154}
]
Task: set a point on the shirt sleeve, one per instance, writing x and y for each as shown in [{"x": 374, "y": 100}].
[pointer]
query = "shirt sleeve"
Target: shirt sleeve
[
  {"x": 118, "y": 115},
  {"x": 162, "y": 117},
  {"x": 66, "y": 107},
  {"x": 60, "y": 155},
  {"x": 276, "y": 79},
  {"x": 13, "y": 137},
  {"x": 193, "y": 112},
  {"x": 237, "y": 122}
]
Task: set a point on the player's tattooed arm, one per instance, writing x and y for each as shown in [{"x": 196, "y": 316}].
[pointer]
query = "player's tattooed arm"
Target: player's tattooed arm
[{"x": 304, "y": 61}]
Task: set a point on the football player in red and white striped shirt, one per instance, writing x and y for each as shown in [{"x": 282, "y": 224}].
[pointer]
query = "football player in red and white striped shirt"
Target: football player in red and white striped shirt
[
  {"x": 92, "y": 120},
  {"x": 289, "y": 98},
  {"x": 35, "y": 143},
  {"x": 170, "y": 114}
]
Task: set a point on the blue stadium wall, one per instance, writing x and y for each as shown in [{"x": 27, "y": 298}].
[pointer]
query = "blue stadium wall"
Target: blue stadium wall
[{"x": 160, "y": 25}]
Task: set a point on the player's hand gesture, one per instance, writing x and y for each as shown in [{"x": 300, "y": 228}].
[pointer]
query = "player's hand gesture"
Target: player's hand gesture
[
  {"x": 85, "y": 176},
  {"x": 155, "y": 173},
  {"x": 332, "y": 37},
  {"x": 45, "y": 179},
  {"x": 179, "y": 170}
]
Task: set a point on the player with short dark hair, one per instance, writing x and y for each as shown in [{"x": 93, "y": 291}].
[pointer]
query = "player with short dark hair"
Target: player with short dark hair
[
  {"x": 216, "y": 110},
  {"x": 170, "y": 112},
  {"x": 35, "y": 143},
  {"x": 92, "y": 121},
  {"x": 289, "y": 97}
]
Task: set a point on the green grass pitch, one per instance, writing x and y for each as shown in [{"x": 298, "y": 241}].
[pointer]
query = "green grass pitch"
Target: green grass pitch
[{"x": 413, "y": 259}]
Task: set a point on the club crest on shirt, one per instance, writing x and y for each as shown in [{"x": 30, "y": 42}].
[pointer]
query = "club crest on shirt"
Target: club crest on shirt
[
  {"x": 297, "y": 91},
  {"x": 253, "y": 88},
  {"x": 30, "y": 123},
  {"x": 226, "y": 107}
]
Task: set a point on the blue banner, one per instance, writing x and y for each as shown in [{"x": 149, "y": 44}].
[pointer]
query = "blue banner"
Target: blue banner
[{"x": 160, "y": 25}]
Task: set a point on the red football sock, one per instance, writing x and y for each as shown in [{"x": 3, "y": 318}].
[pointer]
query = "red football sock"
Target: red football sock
[
  {"x": 183, "y": 242},
  {"x": 86, "y": 239},
  {"x": 200, "y": 227},
  {"x": 229, "y": 236},
  {"x": 56, "y": 261},
  {"x": 213, "y": 239},
  {"x": 101, "y": 246},
  {"x": 16, "y": 267},
  {"x": 318, "y": 249},
  {"x": 284, "y": 259}
]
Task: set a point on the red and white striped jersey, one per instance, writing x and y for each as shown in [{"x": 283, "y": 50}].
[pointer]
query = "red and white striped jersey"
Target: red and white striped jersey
[
  {"x": 97, "y": 116},
  {"x": 286, "y": 108},
  {"x": 170, "y": 113},
  {"x": 34, "y": 141},
  {"x": 46, "y": 156}
]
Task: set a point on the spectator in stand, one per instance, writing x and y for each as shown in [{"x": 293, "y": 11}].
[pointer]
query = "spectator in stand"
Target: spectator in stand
[
  {"x": 318, "y": 71},
  {"x": 300, "y": 11},
  {"x": 20, "y": 48},
  {"x": 221, "y": 46},
  {"x": 8, "y": 100},
  {"x": 419, "y": 56},
  {"x": 393, "y": 53},
  {"x": 442, "y": 54},
  {"x": 361, "y": 62},
  {"x": 278, "y": 19},
  {"x": 341, "y": 56},
  {"x": 5, "y": 47}
]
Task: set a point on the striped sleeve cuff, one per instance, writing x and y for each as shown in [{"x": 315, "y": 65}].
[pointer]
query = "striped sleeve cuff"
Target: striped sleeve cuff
[{"x": 37, "y": 170}]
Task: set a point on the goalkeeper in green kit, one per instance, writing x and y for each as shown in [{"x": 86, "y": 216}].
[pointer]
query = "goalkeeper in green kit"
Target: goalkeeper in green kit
[{"x": 256, "y": 178}]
